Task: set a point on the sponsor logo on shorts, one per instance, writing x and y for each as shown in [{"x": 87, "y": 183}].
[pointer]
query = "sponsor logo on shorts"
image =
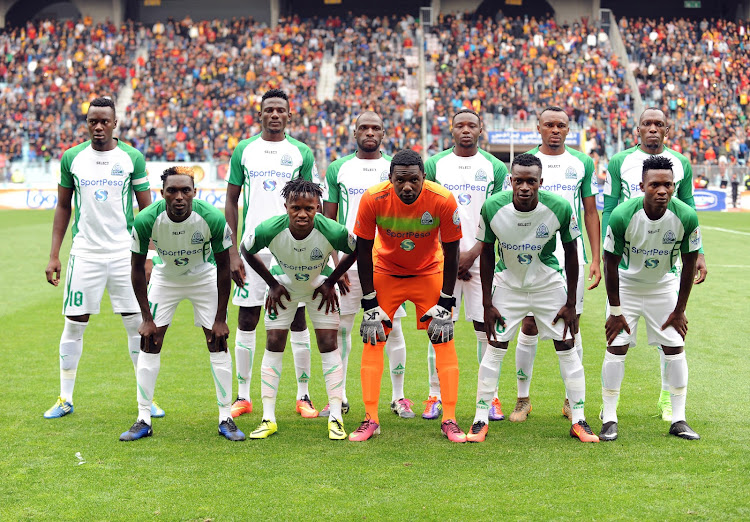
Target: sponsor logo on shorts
[
  {"x": 286, "y": 160},
  {"x": 669, "y": 238},
  {"x": 481, "y": 175},
  {"x": 570, "y": 173},
  {"x": 316, "y": 254},
  {"x": 117, "y": 170},
  {"x": 269, "y": 185},
  {"x": 464, "y": 199},
  {"x": 302, "y": 277},
  {"x": 426, "y": 219},
  {"x": 525, "y": 259},
  {"x": 542, "y": 231},
  {"x": 197, "y": 238},
  {"x": 408, "y": 245},
  {"x": 651, "y": 262},
  {"x": 101, "y": 195}
]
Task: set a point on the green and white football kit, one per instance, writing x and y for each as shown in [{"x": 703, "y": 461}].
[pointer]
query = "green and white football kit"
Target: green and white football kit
[
  {"x": 262, "y": 168},
  {"x": 104, "y": 185},
  {"x": 301, "y": 264},
  {"x": 528, "y": 277},
  {"x": 186, "y": 249},
  {"x": 649, "y": 277},
  {"x": 471, "y": 180}
]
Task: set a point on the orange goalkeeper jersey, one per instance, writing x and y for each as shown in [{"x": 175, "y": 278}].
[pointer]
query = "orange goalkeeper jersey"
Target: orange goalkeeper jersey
[{"x": 409, "y": 235}]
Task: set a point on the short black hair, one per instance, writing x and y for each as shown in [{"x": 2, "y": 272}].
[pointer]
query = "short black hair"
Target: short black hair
[
  {"x": 526, "y": 160},
  {"x": 656, "y": 163},
  {"x": 299, "y": 187},
  {"x": 274, "y": 93},
  {"x": 465, "y": 111},
  {"x": 103, "y": 101},
  {"x": 407, "y": 157},
  {"x": 551, "y": 108},
  {"x": 173, "y": 171}
]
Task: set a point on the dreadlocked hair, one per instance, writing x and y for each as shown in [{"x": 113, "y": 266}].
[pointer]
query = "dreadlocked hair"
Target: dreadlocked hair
[{"x": 298, "y": 187}]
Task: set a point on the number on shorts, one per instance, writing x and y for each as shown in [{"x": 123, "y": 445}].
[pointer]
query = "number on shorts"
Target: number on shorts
[
  {"x": 241, "y": 292},
  {"x": 152, "y": 307},
  {"x": 77, "y": 298}
]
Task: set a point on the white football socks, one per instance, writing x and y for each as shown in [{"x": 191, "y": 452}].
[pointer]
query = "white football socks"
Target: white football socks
[
  {"x": 613, "y": 371},
  {"x": 677, "y": 375},
  {"x": 345, "y": 346},
  {"x": 221, "y": 369},
  {"x": 525, "y": 353},
  {"x": 571, "y": 370},
  {"x": 71, "y": 347},
  {"x": 244, "y": 353},
  {"x": 489, "y": 374},
  {"x": 395, "y": 349},
  {"x": 301, "y": 351},
  {"x": 482, "y": 345},
  {"x": 333, "y": 373},
  {"x": 146, "y": 374},
  {"x": 662, "y": 368},
  {"x": 270, "y": 374},
  {"x": 132, "y": 323},
  {"x": 432, "y": 372}
]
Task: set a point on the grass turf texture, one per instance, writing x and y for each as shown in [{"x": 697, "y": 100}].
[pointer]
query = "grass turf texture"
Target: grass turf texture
[{"x": 532, "y": 470}]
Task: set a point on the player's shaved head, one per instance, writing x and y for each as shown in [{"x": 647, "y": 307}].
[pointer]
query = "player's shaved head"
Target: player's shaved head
[
  {"x": 652, "y": 109},
  {"x": 368, "y": 115}
]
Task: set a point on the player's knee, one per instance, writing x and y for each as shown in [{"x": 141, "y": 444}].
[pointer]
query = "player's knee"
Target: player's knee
[
  {"x": 248, "y": 317},
  {"x": 672, "y": 350},
  {"x": 567, "y": 344},
  {"x": 276, "y": 340},
  {"x": 152, "y": 345},
  {"x": 617, "y": 350},
  {"x": 326, "y": 340}
]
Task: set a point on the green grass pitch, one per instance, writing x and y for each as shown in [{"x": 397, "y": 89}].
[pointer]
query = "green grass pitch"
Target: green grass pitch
[{"x": 534, "y": 470}]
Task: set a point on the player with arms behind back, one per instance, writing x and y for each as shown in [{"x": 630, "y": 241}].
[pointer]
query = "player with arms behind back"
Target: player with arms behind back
[{"x": 645, "y": 237}]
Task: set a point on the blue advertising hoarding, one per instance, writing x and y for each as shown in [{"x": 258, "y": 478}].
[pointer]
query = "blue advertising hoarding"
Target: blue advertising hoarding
[
  {"x": 704, "y": 200},
  {"x": 526, "y": 137}
]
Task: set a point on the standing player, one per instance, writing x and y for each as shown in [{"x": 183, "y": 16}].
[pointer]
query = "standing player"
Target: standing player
[
  {"x": 567, "y": 173},
  {"x": 412, "y": 218},
  {"x": 260, "y": 165},
  {"x": 103, "y": 173},
  {"x": 348, "y": 178},
  {"x": 624, "y": 181},
  {"x": 301, "y": 242},
  {"x": 528, "y": 279},
  {"x": 472, "y": 175},
  {"x": 644, "y": 238},
  {"x": 192, "y": 239}
]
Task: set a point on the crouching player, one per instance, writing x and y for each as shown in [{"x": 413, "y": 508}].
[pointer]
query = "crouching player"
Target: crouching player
[
  {"x": 528, "y": 279},
  {"x": 301, "y": 241},
  {"x": 644, "y": 238},
  {"x": 191, "y": 238}
]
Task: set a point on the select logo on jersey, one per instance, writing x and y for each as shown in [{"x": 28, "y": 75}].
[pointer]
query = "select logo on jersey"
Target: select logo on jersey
[
  {"x": 525, "y": 259},
  {"x": 269, "y": 185},
  {"x": 651, "y": 262},
  {"x": 669, "y": 238},
  {"x": 101, "y": 195},
  {"x": 302, "y": 277},
  {"x": 464, "y": 199},
  {"x": 316, "y": 254},
  {"x": 542, "y": 231},
  {"x": 426, "y": 219},
  {"x": 384, "y": 176},
  {"x": 117, "y": 170},
  {"x": 456, "y": 218},
  {"x": 197, "y": 238},
  {"x": 481, "y": 175},
  {"x": 181, "y": 261},
  {"x": 286, "y": 160},
  {"x": 570, "y": 173},
  {"x": 408, "y": 245}
]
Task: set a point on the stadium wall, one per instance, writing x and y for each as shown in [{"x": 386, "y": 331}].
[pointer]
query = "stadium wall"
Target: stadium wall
[{"x": 202, "y": 10}]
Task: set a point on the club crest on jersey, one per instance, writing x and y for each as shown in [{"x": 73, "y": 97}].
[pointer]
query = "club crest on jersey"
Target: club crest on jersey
[
  {"x": 669, "y": 238},
  {"x": 101, "y": 195},
  {"x": 464, "y": 199},
  {"x": 570, "y": 173},
  {"x": 269, "y": 185},
  {"x": 384, "y": 176},
  {"x": 197, "y": 239},
  {"x": 426, "y": 219},
  {"x": 408, "y": 245},
  {"x": 117, "y": 170},
  {"x": 302, "y": 277},
  {"x": 651, "y": 262},
  {"x": 316, "y": 254},
  {"x": 481, "y": 175},
  {"x": 542, "y": 231},
  {"x": 286, "y": 160},
  {"x": 525, "y": 259},
  {"x": 456, "y": 218}
]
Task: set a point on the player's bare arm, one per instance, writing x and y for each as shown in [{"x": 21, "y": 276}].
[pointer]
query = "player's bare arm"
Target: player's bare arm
[
  {"x": 327, "y": 289},
  {"x": 486, "y": 272},
  {"x": 591, "y": 219},
  {"x": 231, "y": 212},
  {"x": 63, "y": 211},
  {"x": 331, "y": 210},
  {"x": 450, "y": 270},
  {"x": 677, "y": 318},
  {"x": 568, "y": 312},
  {"x": 616, "y": 321},
  {"x": 220, "y": 330},
  {"x": 466, "y": 261},
  {"x": 148, "y": 328},
  {"x": 701, "y": 271},
  {"x": 275, "y": 289}
]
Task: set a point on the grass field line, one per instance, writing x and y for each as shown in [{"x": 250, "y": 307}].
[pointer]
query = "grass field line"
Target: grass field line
[
  {"x": 727, "y": 230},
  {"x": 731, "y": 266}
]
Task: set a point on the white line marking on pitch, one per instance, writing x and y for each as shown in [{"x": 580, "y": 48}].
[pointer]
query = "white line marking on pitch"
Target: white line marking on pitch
[
  {"x": 732, "y": 266},
  {"x": 730, "y": 231}
]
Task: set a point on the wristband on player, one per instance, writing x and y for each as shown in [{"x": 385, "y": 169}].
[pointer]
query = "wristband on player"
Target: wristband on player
[
  {"x": 370, "y": 301},
  {"x": 615, "y": 310},
  {"x": 151, "y": 254}
]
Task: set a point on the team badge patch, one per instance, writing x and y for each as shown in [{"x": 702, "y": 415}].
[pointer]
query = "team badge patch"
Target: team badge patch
[
  {"x": 481, "y": 175},
  {"x": 426, "y": 219},
  {"x": 286, "y": 160},
  {"x": 542, "y": 231},
  {"x": 101, "y": 195},
  {"x": 456, "y": 218},
  {"x": 408, "y": 245},
  {"x": 695, "y": 237},
  {"x": 316, "y": 254},
  {"x": 570, "y": 173},
  {"x": 117, "y": 170},
  {"x": 384, "y": 176},
  {"x": 197, "y": 239},
  {"x": 651, "y": 262},
  {"x": 669, "y": 238},
  {"x": 269, "y": 185}
]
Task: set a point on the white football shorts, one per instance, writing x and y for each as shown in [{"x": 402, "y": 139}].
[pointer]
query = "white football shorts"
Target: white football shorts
[{"x": 86, "y": 279}]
